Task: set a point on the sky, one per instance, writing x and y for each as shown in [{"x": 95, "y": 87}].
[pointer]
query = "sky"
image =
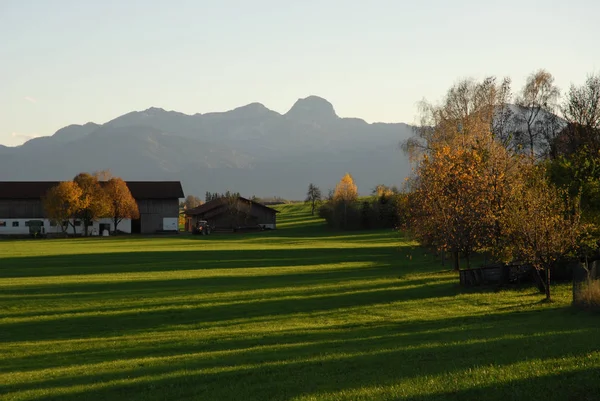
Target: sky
[{"x": 73, "y": 61}]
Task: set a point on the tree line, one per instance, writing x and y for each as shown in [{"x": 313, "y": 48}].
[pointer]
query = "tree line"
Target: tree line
[
  {"x": 87, "y": 198},
  {"x": 210, "y": 196},
  {"x": 342, "y": 208},
  {"x": 515, "y": 176}
]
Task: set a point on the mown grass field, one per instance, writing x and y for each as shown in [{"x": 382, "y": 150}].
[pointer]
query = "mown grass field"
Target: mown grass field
[{"x": 300, "y": 313}]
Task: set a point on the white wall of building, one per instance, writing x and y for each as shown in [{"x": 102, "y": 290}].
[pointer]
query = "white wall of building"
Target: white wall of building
[{"x": 18, "y": 226}]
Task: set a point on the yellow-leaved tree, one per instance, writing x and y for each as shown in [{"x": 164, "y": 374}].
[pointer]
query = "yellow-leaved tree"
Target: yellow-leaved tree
[
  {"x": 63, "y": 202},
  {"x": 93, "y": 195},
  {"x": 121, "y": 204},
  {"x": 346, "y": 190},
  {"x": 460, "y": 195},
  {"x": 345, "y": 193},
  {"x": 464, "y": 169}
]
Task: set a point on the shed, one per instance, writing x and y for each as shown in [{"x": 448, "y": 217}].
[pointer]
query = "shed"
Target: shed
[{"x": 236, "y": 213}]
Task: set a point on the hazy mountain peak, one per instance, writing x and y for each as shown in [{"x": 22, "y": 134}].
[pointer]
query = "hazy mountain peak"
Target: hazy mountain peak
[
  {"x": 155, "y": 110},
  {"x": 253, "y": 109},
  {"x": 312, "y": 108}
]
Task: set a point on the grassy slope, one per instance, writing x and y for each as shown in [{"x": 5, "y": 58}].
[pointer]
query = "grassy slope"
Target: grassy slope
[{"x": 295, "y": 314}]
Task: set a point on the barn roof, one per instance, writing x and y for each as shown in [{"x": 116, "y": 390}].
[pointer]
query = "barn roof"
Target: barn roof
[
  {"x": 139, "y": 189},
  {"x": 155, "y": 189},
  {"x": 216, "y": 203}
]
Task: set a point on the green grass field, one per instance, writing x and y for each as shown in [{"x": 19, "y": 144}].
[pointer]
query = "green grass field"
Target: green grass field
[{"x": 300, "y": 313}]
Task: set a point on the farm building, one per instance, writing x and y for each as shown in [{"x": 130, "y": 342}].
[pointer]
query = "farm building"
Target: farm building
[
  {"x": 232, "y": 213},
  {"x": 158, "y": 203}
]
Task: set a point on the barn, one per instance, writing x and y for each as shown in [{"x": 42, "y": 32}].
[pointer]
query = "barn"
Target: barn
[
  {"x": 232, "y": 214},
  {"x": 158, "y": 203}
]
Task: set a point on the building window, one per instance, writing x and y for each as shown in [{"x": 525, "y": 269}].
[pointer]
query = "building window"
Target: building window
[
  {"x": 27, "y": 223},
  {"x": 2, "y": 223},
  {"x": 52, "y": 223},
  {"x": 15, "y": 224},
  {"x": 78, "y": 223}
]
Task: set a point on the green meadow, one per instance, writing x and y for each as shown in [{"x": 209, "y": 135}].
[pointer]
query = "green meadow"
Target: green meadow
[{"x": 300, "y": 313}]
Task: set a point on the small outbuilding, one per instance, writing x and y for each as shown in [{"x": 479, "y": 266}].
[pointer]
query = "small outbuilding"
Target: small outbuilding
[{"x": 233, "y": 213}]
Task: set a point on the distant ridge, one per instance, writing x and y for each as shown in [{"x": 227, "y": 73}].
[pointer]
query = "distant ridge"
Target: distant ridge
[{"x": 249, "y": 149}]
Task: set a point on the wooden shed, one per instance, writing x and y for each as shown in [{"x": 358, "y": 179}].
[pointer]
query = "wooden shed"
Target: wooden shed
[{"x": 235, "y": 213}]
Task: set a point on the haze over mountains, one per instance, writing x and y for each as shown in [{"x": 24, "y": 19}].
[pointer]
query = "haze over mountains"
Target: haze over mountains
[{"x": 250, "y": 149}]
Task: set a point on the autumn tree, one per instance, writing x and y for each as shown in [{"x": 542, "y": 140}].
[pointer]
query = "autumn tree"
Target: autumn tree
[
  {"x": 94, "y": 197},
  {"x": 121, "y": 204},
  {"x": 63, "y": 202},
  {"x": 542, "y": 225},
  {"x": 191, "y": 202},
  {"x": 464, "y": 164},
  {"x": 313, "y": 196},
  {"x": 345, "y": 193},
  {"x": 537, "y": 103},
  {"x": 458, "y": 197},
  {"x": 346, "y": 190}
]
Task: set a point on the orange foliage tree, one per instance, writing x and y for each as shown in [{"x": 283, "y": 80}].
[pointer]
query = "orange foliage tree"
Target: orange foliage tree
[
  {"x": 464, "y": 169},
  {"x": 345, "y": 193},
  {"x": 63, "y": 202},
  {"x": 94, "y": 197},
  {"x": 346, "y": 190},
  {"x": 459, "y": 198},
  {"x": 121, "y": 204}
]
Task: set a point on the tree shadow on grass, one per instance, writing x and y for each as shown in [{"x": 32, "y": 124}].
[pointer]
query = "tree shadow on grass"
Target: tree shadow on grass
[
  {"x": 168, "y": 314},
  {"x": 157, "y": 261},
  {"x": 205, "y": 290},
  {"x": 286, "y": 365}
]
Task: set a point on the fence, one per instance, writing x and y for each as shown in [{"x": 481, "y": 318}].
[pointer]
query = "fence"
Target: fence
[{"x": 498, "y": 274}]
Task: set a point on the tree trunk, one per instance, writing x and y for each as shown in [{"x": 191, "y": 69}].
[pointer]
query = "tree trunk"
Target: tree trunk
[
  {"x": 531, "y": 145},
  {"x": 530, "y": 139},
  {"x": 116, "y": 221},
  {"x": 539, "y": 281},
  {"x": 74, "y": 230},
  {"x": 548, "y": 284},
  {"x": 455, "y": 260}
]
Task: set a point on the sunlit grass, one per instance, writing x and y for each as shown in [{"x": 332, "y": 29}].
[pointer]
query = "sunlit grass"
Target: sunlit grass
[{"x": 299, "y": 313}]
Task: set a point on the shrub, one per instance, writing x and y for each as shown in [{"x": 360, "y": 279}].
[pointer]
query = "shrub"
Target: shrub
[{"x": 588, "y": 295}]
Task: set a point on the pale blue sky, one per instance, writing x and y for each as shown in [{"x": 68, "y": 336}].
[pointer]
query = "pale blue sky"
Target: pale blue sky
[{"x": 74, "y": 61}]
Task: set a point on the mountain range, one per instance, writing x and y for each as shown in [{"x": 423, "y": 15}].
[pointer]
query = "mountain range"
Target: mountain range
[{"x": 251, "y": 150}]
